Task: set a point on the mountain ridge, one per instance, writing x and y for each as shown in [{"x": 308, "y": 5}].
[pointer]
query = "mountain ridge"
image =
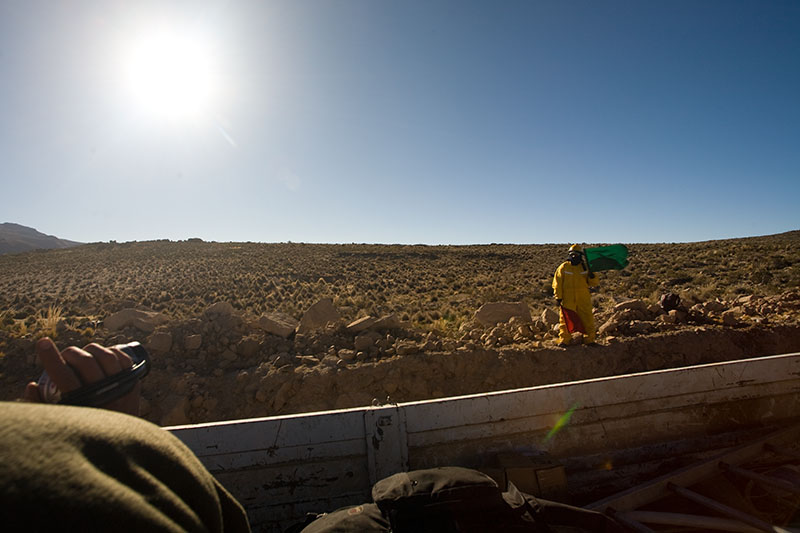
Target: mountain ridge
[{"x": 16, "y": 238}]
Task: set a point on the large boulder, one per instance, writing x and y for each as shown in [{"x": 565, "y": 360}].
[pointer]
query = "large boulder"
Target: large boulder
[
  {"x": 501, "y": 312},
  {"x": 146, "y": 321},
  {"x": 277, "y": 323},
  {"x": 318, "y": 316}
]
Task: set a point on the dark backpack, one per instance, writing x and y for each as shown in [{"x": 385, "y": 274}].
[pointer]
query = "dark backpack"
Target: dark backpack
[
  {"x": 365, "y": 518},
  {"x": 452, "y": 499}
]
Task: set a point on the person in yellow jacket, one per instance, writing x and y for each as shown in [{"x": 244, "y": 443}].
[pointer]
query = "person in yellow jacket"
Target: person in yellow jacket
[{"x": 571, "y": 284}]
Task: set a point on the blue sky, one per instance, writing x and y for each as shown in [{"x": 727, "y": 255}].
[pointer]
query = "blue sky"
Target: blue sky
[{"x": 438, "y": 122}]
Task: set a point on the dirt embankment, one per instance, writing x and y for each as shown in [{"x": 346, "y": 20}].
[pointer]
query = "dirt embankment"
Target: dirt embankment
[
  {"x": 424, "y": 376},
  {"x": 246, "y": 375}
]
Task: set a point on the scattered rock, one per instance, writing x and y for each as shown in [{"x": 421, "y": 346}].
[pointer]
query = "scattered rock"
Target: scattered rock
[
  {"x": 635, "y": 305},
  {"x": 730, "y": 318},
  {"x": 501, "y": 312},
  {"x": 525, "y": 331},
  {"x": 160, "y": 341},
  {"x": 220, "y": 309},
  {"x": 549, "y": 317},
  {"x": 247, "y": 347},
  {"x": 146, "y": 321},
  {"x": 638, "y": 327},
  {"x": 609, "y": 327},
  {"x": 347, "y": 355},
  {"x": 277, "y": 323},
  {"x": 361, "y": 324},
  {"x": 387, "y": 322},
  {"x": 193, "y": 342},
  {"x": 680, "y": 315},
  {"x": 367, "y": 340},
  {"x": 668, "y": 318},
  {"x": 284, "y": 359},
  {"x": 405, "y": 348},
  {"x": 318, "y": 316}
]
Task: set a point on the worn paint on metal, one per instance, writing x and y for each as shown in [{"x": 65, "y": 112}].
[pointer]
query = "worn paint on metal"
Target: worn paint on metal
[{"x": 282, "y": 467}]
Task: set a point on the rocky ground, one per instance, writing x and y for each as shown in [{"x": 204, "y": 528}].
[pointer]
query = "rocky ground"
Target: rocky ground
[
  {"x": 245, "y": 329},
  {"x": 223, "y": 364}
]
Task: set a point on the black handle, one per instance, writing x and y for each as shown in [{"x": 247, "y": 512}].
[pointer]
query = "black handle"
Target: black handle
[{"x": 112, "y": 387}]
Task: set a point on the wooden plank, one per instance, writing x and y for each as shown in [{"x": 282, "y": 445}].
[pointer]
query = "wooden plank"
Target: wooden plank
[
  {"x": 727, "y": 510},
  {"x": 656, "y": 489},
  {"x": 687, "y": 520},
  {"x": 762, "y": 479}
]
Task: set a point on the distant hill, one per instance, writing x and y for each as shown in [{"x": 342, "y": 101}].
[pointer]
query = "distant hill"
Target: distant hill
[{"x": 16, "y": 238}]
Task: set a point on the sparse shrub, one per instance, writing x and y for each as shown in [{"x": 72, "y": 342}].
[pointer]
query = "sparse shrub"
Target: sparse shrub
[{"x": 50, "y": 320}]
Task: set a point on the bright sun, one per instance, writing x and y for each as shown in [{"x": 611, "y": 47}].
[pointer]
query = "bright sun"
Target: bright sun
[{"x": 170, "y": 76}]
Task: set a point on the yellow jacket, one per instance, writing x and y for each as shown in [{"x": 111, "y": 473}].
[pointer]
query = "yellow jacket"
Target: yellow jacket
[{"x": 571, "y": 285}]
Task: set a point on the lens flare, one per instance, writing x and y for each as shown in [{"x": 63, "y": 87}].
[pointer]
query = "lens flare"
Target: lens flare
[{"x": 561, "y": 422}]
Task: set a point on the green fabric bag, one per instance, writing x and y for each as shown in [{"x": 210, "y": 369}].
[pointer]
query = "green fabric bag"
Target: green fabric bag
[{"x": 613, "y": 257}]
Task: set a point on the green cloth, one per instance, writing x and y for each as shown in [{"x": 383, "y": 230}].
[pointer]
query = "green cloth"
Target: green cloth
[
  {"x": 614, "y": 257},
  {"x": 82, "y": 469}
]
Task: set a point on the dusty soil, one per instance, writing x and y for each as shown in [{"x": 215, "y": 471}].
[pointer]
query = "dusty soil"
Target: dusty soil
[{"x": 211, "y": 366}]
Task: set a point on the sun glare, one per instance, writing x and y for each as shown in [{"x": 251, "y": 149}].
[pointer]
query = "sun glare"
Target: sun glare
[{"x": 169, "y": 75}]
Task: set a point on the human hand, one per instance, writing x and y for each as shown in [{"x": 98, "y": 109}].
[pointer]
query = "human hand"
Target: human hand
[{"x": 73, "y": 367}]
